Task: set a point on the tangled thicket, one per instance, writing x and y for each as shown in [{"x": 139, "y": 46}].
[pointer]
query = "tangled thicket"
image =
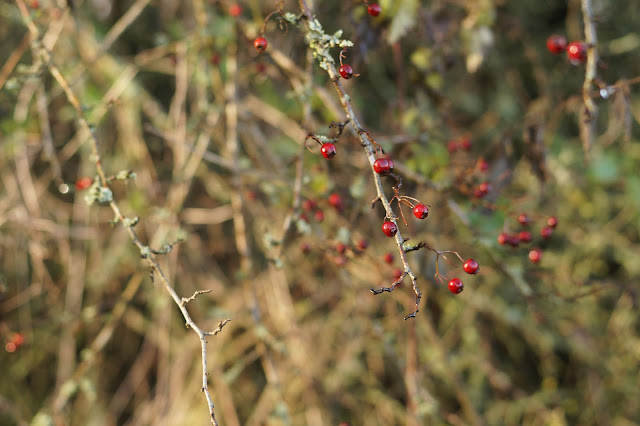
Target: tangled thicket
[{"x": 287, "y": 242}]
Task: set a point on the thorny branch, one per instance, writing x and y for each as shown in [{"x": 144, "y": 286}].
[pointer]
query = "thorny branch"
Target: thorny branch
[
  {"x": 43, "y": 58},
  {"x": 367, "y": 143}
]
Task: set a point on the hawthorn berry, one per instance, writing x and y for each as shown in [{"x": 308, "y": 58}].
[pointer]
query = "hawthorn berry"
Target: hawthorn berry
[
  {"x": 456, "y": 286},
  {"x": 524, "y": 236},
  {"x": 535, "y": 255},
  {"x": 552, "y": 222},
  {"x": 389, "y": 228},
  {"x": 328, "y": 150},
  {"x": 83, "y": 183},
  {"x": 319, "y": 216},
  {"x": 335, "y": 201},
  {"x": 363, "y": 244},
  {"x": 374, "y": 9},
  {"x": 471, "y": 267},
  {"x": 546, "y": 232},
  {"x": 577, "y": 52},
  {"x": 483, "y": 165},
  {"x": 452, "y": 146},
  {"x": 383, "y": 166},
  {"x": 341, "y": 248},
  {"x": 503, "y": 238},
  {"x": 523, "y": 219},
  {"x": 346, "y": 71},
  {"x": 465, "y": 144},
  {"x": 260, "y": 44},
  {"x": 482, "y": 190},
  {"x": 556, "y": 44},
  {"x": 421, "y": 211},
  {"x": 388, "y": 258},
  {"x": 235, "y": 10}
]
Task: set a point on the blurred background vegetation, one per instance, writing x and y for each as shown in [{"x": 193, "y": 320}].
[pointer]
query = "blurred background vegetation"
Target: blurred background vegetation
[{"x": 88, "y": 339}]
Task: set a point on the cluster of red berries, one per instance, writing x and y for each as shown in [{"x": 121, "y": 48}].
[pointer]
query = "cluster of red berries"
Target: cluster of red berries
[
  {"x": 14, "y": 342},
  {"x": 454, "y": 145},
  {"x": 576, "y": 50},
  {"x": 471, "y": 267},
  {"x": 390, "y": 229},
  {"x": 524, "y": 236}
]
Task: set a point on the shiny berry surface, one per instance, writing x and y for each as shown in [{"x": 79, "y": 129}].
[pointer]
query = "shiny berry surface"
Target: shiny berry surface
[
  {"x": 421, "y": 211},
  {"x": 389, "y": 228},
  {"x": 260, "y": 44},
  {"x": 577, "y": 52},
  {"x": 346, "y": 71},
  {"x": 552, "y": 222},
  {"x": 456, "y": 286},
  {"x": 471, "y": 267},
  {"x": 381, "y": 166},
  {"x": 328, "y": 150}
]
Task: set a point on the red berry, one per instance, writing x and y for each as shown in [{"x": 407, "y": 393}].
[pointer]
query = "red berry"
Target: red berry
[
  {"x": 83, "y": 183},
  {"x": 308, "y": 205},
  {"x": 577, "y": 52},
  {"x": 305, "y": 248},
  {"x": 546, "y": 232},
  {"x": 452, "y": 146},
  {"x": 483, "y": 165},
  {"x": 514, "y": 240},
  {"x": 397, "y": 273},
  {"x": 523, "y": 219},
  {"x": 482, "y": 190},
  {"x": 10, "y": 347},
  {"x": 552, "y": 221},
  {"x": 363, "y": 244},
  {"x": 466, "y": 144},
  {"x": 389, "y": 228},
  {"x": 456, "y": 286},
  {"x": 421, "y": 211},
  {"x": 556, "y": 44},
  {"x": 335, "y": 201},
  {"x": 503, "y": 238},
  {"x": 374, "y": 9},
  {"x": 346, "y": 71},
  {"x": 328, "y": 150},
  {"x": 382, "y": 166},
  {"x": 388, "y": 257},
  {"x": 235, "y": 10},
  {"x": 260, "y": 44},
  {"x": 17, "y": 339},
  {"x": 341, "y": 248},
  {"x": 535, "y": 255},
  {"x": 318, "y": 215},
  {"x": 471, "y": 267},
  {"x": 525, "y": 236}
]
